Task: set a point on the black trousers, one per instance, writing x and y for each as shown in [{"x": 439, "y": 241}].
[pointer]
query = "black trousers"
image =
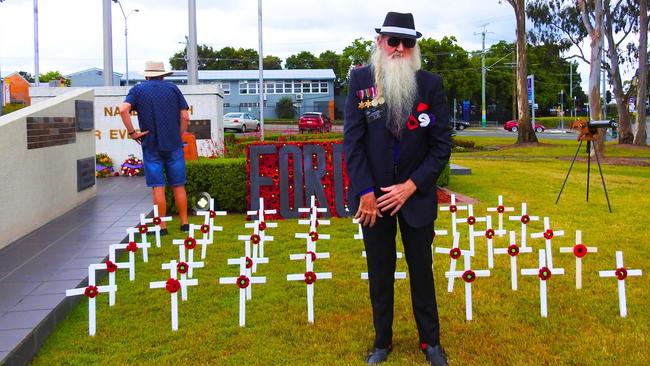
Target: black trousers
[{"x": 379, "y": 242}]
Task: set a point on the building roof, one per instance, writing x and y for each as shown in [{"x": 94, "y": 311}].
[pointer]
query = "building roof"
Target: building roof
[
  {"x": 294, "y": 74},
  {"x": 92, "y": 69}
]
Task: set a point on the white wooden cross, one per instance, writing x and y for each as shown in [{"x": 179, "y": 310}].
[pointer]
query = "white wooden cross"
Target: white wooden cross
[
  {"x": 524, "y": 218},
  {"x": 112, "y": 266},
  {"x": 183, "y": 267},
  {"x": 579, "y": 251},
  {"x": 262, "y": 223},
  {"x": 453, "y": 208},
  {"x": 454, "y": 253},
  {"x": 621, "y": 273},
  {"x": 500, "y": 209},
  {"x": 513, "y": 250},
  {"x": 91, "y": 291},
  {"x": 548, "y": 235},
  {"x": 156, "y": 221},
  {"x": 398, "y": 275},
  {"x": 471, "y": 220},
  {"x": 189, "y": 243},
  {"x": 313, "y": 211},
  {"x": 172, "y": 285},
  {"x": 208, "y": 228},
  {"x": 243, "y": 282},
  {"x": 133, "y": 245},
  {"x": 489, "y": 234},
  {"x": 359, "y": 234},
  {"x": 309, "y": 276},
  {"x": 258, "y": 238},
  {"x": 250, "y": 264},
  {"x": 544, "y": 273},
  {"x": 468, "y": 275}
]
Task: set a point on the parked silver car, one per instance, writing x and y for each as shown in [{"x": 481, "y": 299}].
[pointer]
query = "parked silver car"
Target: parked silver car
[{"x": 240, "y": 121}]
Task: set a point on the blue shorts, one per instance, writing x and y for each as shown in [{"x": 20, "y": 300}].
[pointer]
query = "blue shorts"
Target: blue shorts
[{"x": 161, "y": 164}]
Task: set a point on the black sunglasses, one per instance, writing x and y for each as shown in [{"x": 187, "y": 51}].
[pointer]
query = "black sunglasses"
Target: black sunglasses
[{"x": 406, "y": 42}]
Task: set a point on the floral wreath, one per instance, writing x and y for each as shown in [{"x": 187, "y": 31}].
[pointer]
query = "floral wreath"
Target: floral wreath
[
  {"x": 513, "y": 250},
  {"x": 621, "y": 273},
  {"x": 525, "y": 219},
  {"x": 262, "y": 226},
  {"x": 313, "y": 235},
  {"x": 189, "y": 242},
  {"x": 501, "y": 209},
  {"x": 548, "y": 234},
  {"x": 142, "y": 228},
  {"x": 111, "y": 267},
  {"x": 249, "y": 262},
  {"x": 544, "y": 273},
  {"x": 205, "y": 228},
  {"x": 454, "y": 253},
  {"x": 255, "y": 239},
  {"x": 182, "y": 267},
  {"x": 469, "y": 276},
  {"x": 132, "y": 247},
  {"x": 453, "y": 208},
  {"x": 243, "y": 282},
  {"x": 580, "y": 250},
  {"x": 132, "y": 166},
  {"x": 172, "y": 285},
  {"x": 157, "y": 220},
  {"x": 103, "y": 165},
  {"x": 471, "y": 220},
  {"x": 91, "y": 292},
  {"x": 310, "y": 277},
  {"x": 489, "y": 233}
]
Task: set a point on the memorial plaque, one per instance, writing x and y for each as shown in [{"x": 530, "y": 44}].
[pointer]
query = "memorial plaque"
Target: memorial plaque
[
  {"x": 200, "y": 128},
  {"x": 84, "y": 113},
  {"x": 85, "y": 173}
]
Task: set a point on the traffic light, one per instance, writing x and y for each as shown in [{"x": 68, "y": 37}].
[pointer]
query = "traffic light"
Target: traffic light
[{"x": 608, "y": 96}]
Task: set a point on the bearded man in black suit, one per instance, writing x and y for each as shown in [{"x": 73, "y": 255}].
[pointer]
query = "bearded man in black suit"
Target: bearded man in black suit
[{"x": 397, "y": 142}]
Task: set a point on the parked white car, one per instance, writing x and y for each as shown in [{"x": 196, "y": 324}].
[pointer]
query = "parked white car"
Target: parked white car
[{"x": 240, "y": 121}]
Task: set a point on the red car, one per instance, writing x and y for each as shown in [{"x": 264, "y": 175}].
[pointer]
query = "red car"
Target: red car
[
  {"x": 514, "y": 126},
  {"x": 314, "y": 121}
]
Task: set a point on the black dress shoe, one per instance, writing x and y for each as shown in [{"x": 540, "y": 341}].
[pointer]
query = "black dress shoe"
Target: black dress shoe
[
  {"x": 185, "y": 227},
  {"x": 378, "y": 355},
  {"x": 435, "y": 355}
]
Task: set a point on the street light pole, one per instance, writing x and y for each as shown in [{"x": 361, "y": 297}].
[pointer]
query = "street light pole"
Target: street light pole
[{"x": 126, "y": 37}]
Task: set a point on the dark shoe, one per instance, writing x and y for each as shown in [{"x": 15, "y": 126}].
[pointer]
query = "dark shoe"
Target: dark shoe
[
  {"x": 378, "y": 355},
  {"x": 435, "y": 355},
  {"x": 185, "y": 227},
  {"x": 163, "y": 232}
]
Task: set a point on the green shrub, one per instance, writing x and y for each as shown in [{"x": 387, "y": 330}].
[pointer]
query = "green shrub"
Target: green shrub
[
  {"x": 466, "y": 144},
  {"x": 284, "y": 108},
  {"x": 443, "y": 179},
  {"x": 224, "y": 179},
  {"x": 8, "y": 108}
]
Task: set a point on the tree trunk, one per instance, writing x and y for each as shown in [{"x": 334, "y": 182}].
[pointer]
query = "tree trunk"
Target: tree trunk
[
  {"x": 525, "y": 132},
  {"x": 642, "y": 87},
  {"x": 625, "y": 135},
  {"x": 595, "y": 36}
]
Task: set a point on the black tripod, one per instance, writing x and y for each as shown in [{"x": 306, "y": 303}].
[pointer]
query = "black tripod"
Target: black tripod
[{"x": 588, "y": 171}]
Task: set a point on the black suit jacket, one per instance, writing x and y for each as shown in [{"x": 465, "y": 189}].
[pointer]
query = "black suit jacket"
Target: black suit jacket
[{"x": 424, "y": 151}]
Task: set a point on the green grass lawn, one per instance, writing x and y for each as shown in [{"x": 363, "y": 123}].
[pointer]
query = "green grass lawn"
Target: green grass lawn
[{"x": 583, "y": 326}]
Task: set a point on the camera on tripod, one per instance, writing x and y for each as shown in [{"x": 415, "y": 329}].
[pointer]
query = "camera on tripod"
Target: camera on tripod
[{"x": 588, "y": 129}]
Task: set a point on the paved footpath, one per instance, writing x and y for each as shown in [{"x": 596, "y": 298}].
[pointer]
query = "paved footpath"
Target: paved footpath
[{"x": 36, "y": 269}]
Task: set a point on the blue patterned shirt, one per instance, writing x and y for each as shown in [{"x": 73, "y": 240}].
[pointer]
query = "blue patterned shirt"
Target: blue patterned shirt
[{"x": 158, "y": 104}]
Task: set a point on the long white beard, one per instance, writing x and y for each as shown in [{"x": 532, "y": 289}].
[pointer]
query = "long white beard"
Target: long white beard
[{"x": 395, "y": 77}]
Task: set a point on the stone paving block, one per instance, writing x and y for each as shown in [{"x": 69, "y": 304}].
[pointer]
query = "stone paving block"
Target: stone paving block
[
  {"x": 18, "y": 288},
  {"x": 101, "y": 252},
  {"x": 22, "y": 319},
  {"x": 54, "y": 287},
  {"x": 11, "y": 338},
  {"x": 38, "y": 302},
  {"x": 81, "y": 262}
]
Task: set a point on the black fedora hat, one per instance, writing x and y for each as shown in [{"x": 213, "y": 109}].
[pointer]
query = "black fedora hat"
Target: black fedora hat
[{"x": 399, "y": 25}]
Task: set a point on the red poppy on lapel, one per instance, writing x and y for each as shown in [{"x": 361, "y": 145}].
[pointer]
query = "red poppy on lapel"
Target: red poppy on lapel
[
  {"x": 412, "y": 123},
  {"x": 422, "y": 107}
]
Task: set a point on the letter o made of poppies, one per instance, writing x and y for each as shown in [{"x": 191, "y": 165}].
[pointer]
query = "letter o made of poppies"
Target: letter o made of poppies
[
  {"x": 513, "y": 250},
  {"x": 621, "y": 273},
  {"x": 243, "y": 282},
  {"x": 190, "y": 242},
  {"x": 544, "y": 273},
  {"x": 580, "y": 250},
  {"x": 469, "y": 276},
  {"x": 310, "y": 277}
]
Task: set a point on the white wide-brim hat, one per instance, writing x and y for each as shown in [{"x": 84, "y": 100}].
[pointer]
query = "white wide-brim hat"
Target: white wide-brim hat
[{"x": 154, "y": 69}]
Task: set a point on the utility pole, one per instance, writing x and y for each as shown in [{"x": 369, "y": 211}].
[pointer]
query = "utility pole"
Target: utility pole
[
  {"x": 36, "y": 72},
  {"x": 573, "y": 110},
  {"x": 261, "y": 68},
  {"x": 483, "y": 108},
  {"x": 192, "y": 57},
  {"x": 108, "y": 44}
]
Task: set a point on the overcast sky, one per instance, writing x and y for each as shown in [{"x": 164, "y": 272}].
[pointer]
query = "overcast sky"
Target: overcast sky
[{"x": 70, "y": 31}]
